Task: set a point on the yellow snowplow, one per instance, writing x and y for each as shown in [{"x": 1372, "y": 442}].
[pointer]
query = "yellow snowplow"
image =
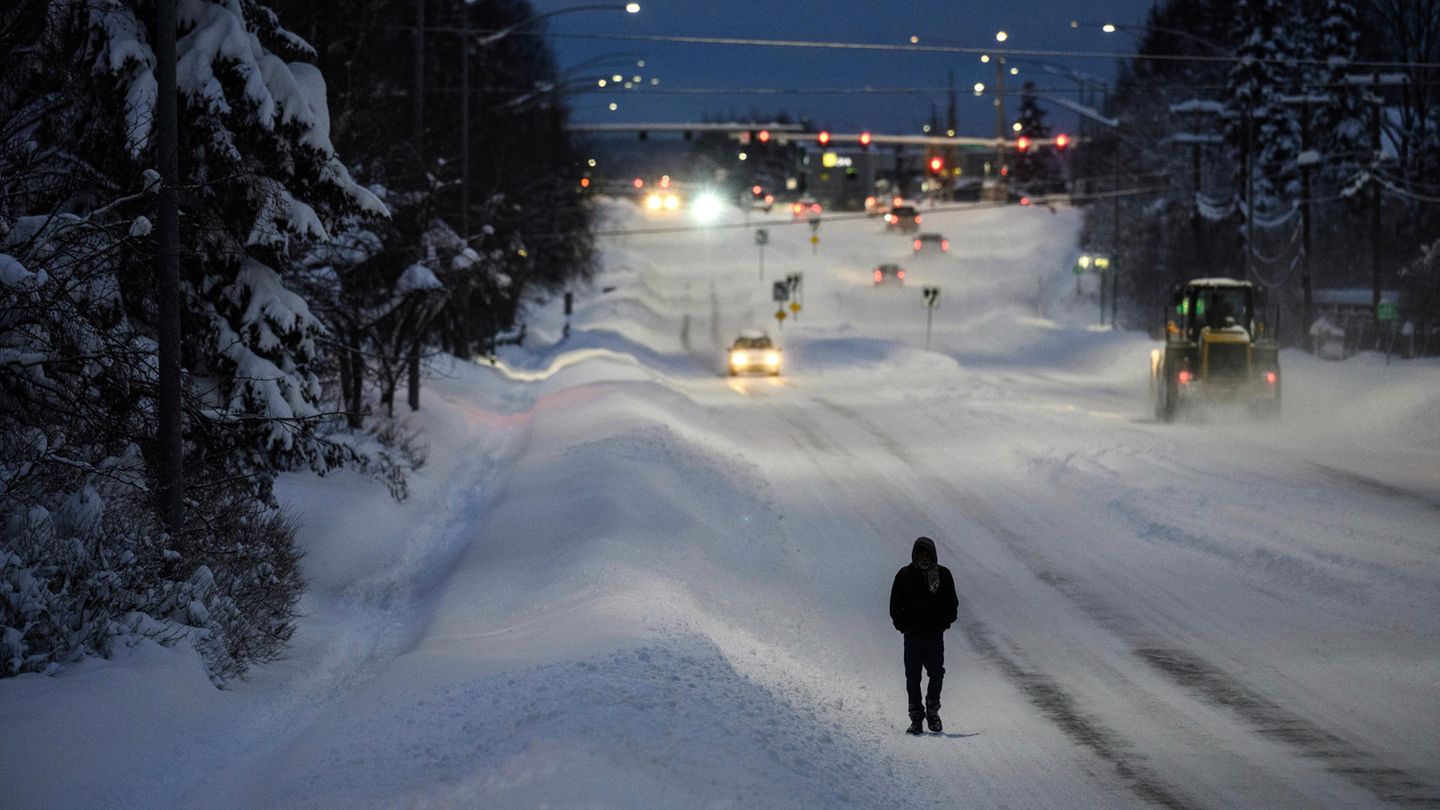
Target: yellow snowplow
[{"x": 1218, "y": 349}]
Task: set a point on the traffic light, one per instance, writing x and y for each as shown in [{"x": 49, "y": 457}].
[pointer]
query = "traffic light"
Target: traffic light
[
  {"x": 763, "y": 136},
  {"x": 1062, "y": 140},
  {"x": 823, "y": 138},
  {"x": 1022, "y": 143},
  {"x": 865, "y": 140},
  {"x": 937, "y": 164}
]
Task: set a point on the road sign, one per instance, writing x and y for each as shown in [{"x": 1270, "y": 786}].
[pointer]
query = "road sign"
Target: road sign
[
  {"x": 814, "y": 239},
  {"x": 795, "y": 307},
  {"x": 780, "y": 291},
  {"x": 1387, "y": 311},
  {"x": 814, "y": 224},
  {"x": 780, "y": 315},
  {"x": 762, "y": 236}
]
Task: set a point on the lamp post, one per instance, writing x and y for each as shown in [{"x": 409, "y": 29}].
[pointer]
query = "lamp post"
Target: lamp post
[{"x": 484, "y": 42}]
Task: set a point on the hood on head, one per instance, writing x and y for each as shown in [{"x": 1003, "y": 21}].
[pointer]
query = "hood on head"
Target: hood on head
[{"x": 927, "y": 544}]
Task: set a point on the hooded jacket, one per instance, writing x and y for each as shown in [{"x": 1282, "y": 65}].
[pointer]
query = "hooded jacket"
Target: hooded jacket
[{"x": 914, "y": 608}]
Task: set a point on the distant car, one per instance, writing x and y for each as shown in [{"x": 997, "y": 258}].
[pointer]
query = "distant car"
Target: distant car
[
  {"x": 805, "y": 208},
  {"x": 753, "y": 351},
  {"x": 930, "y": 242},
  {"x": 902, "y": 218},
  {"x": 889, "y": 274}
]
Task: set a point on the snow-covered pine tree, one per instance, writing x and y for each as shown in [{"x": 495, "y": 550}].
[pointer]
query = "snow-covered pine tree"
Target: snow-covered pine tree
[
  {"x": 1341, "y": 125},
  {"x": 1035, "y": 168},
  {"x": 1259, "y": 125},
  {"x": 261, "y": 175},
  {"x": 82, "y": 561}
]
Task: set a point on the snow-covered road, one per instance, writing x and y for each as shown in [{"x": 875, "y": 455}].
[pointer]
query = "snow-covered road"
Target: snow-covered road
[{"x": 625, "y": 580}]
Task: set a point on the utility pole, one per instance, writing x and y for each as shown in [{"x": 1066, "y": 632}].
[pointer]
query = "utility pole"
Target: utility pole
[
  {"x": 1115, "y": 252},
  {"x": 169, "y": 426},
  {"x": 419, "y": 115},
  {"x": 1000, "y": 118},
  {"x": 1249, "y": 194},
  {"x": 465, "y": 123},
  {"x": 1375, "y": 207},
  {"x": 1307, "y": 307}
]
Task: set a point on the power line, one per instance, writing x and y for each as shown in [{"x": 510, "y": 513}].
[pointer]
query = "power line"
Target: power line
[
  {"x": 943, "y": 49},
  {"x": 941, "y": 209}
]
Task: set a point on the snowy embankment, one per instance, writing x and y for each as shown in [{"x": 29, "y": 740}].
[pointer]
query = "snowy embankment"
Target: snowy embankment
[{"x": 624, "y": 580}]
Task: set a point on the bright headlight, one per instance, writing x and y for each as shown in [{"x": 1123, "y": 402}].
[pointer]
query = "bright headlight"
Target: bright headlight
[
  {"x": 739, "y": 359},
  {"x": 772, "y": 359},
  {"x": 671, "y": 202},
  {"x": 653, "y": 202},
  {"x": 706, "y": 208}
]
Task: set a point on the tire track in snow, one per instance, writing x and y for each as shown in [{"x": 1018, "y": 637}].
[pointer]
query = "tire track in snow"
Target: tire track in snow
[
  {"x": 1046, "y": 694},
  {"x": 1184, "y": 668}
]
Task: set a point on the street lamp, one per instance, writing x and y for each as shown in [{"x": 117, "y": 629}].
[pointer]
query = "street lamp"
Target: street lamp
[{"x": 483, "y": 42}]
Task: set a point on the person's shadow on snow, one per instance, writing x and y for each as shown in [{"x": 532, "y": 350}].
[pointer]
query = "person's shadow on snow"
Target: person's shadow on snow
[{"x": 959, "y": 735}]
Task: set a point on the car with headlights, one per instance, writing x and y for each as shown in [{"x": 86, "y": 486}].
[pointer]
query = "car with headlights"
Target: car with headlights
[
  {"x": 902, "y": 218},
  {"x": 888, "y": 274},
  {"x": 931, "y": 243},
  {"x": 753, "y": 352}
]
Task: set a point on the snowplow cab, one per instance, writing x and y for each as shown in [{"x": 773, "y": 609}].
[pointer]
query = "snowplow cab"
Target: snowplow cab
[{"x": 1218, "y": 349}]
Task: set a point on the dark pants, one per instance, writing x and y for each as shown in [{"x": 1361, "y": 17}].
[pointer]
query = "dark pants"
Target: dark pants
[{"x": 925, "y": 650}]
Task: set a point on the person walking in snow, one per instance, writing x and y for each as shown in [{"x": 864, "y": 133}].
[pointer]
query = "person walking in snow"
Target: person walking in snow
[{"x": 922, "y": 606}]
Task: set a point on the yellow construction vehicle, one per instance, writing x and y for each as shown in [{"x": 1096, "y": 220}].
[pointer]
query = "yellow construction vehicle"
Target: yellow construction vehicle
[{"x": 1219, "y": 348}]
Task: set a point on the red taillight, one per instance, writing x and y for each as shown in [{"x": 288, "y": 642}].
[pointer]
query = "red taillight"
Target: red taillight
[
  {"x": 917, "y": 219},
  {"x": 917, "y": 244},
  {"x": 1184, "y": 377},
  {"x": 900, "y": 275},
  {"x": 944, "y": 244},
  {"x": 1271, "y": 377},
  {"x": 879, "y": 276},
  {"x": 1024, "y": 200}
]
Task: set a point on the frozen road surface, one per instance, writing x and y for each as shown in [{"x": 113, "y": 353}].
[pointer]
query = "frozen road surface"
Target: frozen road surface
[{"x": 627, "y": 580}]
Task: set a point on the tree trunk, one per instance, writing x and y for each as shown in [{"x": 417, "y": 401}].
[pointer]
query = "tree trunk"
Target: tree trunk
[{"x": 169, "y": 429}]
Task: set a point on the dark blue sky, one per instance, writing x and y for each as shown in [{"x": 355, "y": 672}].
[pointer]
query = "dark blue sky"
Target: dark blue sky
[{"x": 1031, "y": 24}]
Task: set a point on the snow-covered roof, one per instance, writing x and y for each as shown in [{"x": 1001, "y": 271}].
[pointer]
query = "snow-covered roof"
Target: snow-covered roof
[
  {"x": 751, "y": 334},
  {"x": 1355, "y": 296},
  {"x": 1216, "y": 282}
]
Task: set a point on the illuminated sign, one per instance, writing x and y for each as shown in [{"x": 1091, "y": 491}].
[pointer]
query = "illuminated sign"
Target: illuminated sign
[{"x": 830, "y": 160}]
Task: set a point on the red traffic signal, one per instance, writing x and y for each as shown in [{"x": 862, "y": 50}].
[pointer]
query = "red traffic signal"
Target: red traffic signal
[
  {"x": 937, "y": 165},
  {"x": 763, "y": 136},
  {"x": 638, "y": 183},
  {"x": 1022, "y": 143},
  {"x": 1062, "y": 140},
  {"x": 823, "y": 138},
  {"x": 865, "y": 139}
]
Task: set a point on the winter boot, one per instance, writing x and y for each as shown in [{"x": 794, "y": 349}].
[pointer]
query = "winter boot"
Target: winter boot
[
  {"x": 932, "y": 717},
  {"x": 916, "y": 717}
]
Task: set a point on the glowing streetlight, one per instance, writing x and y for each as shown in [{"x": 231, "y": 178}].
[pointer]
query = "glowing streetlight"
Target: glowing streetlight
[
  {"x": 914, "y": 40},
  {"x": 632, "y": 8},
  {"x": 1014, "y": 71},
  {"x": 979, "y": 88},
  {"x": 617, "y": 78},
  {"x": 1017, "y": 126},
  {"x": 1108, "y": 28},
  {"x": 614, "y": 106},
  {"x": 984, "y": 58},
  {"x": 602, "y": 82},
  {"x": 1001, "y": 36}
]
